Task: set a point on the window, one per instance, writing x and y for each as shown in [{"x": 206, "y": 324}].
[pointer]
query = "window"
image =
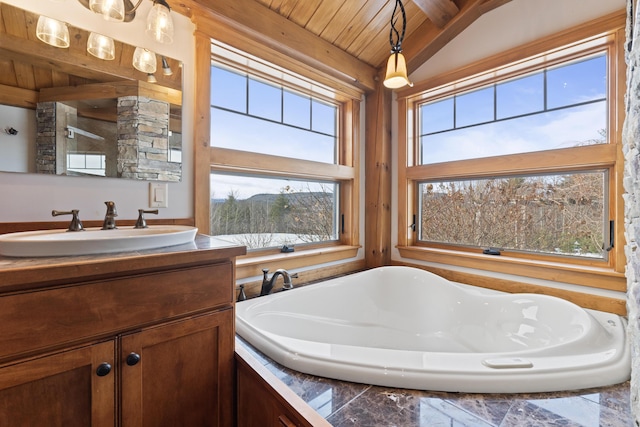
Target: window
[
  {"x": 265, "y": 212},
  {"x": 251, "y": 115},
  {"x": 86, "y": 163},
  {"x": 519, "y": 161},
  {"x": 281, "y": 173},
  {"x": 562, "y": 214},
  {"x": 557, "y": 107}
]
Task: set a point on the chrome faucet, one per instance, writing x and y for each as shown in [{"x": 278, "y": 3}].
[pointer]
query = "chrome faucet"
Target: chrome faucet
[
  {"x": 76, "y": 224},
  {"x": 267, "y": 284},
  {"x": 110, "y": 217}
]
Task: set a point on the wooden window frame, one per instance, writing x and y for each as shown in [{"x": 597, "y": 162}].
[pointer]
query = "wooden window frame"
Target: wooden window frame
[
  {"x": 345, "y": 172},
  {"x": 606, "y": 33}
]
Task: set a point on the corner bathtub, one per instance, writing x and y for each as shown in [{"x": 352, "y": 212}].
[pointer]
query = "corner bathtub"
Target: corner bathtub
[{"x": 405, "y": 327}]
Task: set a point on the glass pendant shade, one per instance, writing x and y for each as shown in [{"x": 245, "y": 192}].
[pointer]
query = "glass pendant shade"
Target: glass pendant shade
[
  {"x": 396, "y": 76},
  {"x": 111, "y": 10},
  {"x": 101, "y": 46},
  {"x": 159, "y": 22},
  {"x": 52, "y": 32},
  {"x": 144, "y": 60}
]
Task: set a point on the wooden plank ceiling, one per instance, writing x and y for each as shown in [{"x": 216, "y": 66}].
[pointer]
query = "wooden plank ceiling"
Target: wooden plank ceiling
[{"x": 361, "y": 27}]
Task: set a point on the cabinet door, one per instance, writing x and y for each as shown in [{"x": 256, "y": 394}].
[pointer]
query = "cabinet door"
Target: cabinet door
[
  {"x": 258, "y": 405},
  {"x": 71, "y": 388},
  {"x": 180, "y": 373}
]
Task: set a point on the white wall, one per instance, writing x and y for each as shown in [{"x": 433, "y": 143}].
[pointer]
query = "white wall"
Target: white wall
[
  {"x": 17, "y": 152},
  {"x": 31, "y": 197},
  {"x": 514, "y": 24}
]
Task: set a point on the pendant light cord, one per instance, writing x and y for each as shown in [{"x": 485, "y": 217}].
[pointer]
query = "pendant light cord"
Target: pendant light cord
[{"x": 396, "y": 42}]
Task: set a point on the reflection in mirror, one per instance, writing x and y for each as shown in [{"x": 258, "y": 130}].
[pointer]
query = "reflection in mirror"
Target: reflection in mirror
[{"x": 75, "y": 114}]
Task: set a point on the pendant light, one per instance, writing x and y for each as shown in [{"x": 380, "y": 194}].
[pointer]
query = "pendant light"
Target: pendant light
[
  {"x": 52, "y": 32},
  {"x": 159, "y": 22},
  {"x": 396, "y": 76}
]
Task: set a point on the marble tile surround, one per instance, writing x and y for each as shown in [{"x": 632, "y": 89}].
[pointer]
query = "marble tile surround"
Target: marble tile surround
[{"x": 350, "y": 404}]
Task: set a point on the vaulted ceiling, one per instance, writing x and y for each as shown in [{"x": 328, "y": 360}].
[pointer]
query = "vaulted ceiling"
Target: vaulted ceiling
[
  {"x": 349, "y": 38},
  {"x": 361, "y": 27}
]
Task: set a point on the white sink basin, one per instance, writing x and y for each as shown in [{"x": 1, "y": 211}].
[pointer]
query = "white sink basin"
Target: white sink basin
[{"x": 93, "y": 240}]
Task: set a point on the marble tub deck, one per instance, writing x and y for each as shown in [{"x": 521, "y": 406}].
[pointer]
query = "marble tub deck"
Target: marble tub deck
[{"x": 349, "y": 404}]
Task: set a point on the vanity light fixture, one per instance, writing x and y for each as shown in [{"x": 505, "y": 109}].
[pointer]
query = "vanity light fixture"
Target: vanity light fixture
[
  {"x": 52, "y": 32},
  {"x": 144, "y": 60},
  {"x": 101, "y": 46},
  {"x": 396, "y": 76},
  {"x": 111, "y": 10},
  {"x": 166, "y": 68},
  {"x": 151, "y": 78},
  {"x": 159, "y": 22}
]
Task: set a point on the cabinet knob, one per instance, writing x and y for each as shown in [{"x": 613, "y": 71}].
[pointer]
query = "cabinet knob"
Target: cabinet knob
[
  {"x": 133, "y": 359},
  {"x": 103, "y": 369}
]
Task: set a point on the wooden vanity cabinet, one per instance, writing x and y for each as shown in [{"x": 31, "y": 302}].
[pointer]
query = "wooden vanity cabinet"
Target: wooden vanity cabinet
[
  {"x": 146, "y": 347},
  {"x": 265, "y": 401},
  {"x": 62, "y": 389},
  {"x": 179, "y": 374}
]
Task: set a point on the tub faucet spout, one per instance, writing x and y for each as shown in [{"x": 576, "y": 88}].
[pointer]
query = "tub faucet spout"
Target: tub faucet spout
[{"x": 267, "y": 284}]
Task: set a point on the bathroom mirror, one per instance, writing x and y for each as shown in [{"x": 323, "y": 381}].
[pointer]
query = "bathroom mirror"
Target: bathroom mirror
[{"x": 89, "y": 99}]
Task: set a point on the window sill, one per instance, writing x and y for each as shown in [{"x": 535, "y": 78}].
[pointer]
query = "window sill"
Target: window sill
[
  {"x": 591, "y": 276},
  {"x": 252, "y": 265}
]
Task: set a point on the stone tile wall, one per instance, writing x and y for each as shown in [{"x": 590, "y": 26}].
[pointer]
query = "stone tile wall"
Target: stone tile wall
[
  {"x": 46, "y": 138},
  {"x": 143, "y": 140},
  {"x": 631, "y": 149}
]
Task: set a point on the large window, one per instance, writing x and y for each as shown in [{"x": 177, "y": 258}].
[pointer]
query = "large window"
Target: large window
[
  {"x": 557, "y": 107},
  {"x": 282, "y": 176},
  {"x": 517, "y": 167}
]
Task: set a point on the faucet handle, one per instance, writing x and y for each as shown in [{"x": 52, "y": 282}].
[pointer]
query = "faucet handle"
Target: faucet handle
[
  {"x": 76, "y": 224},
  {"x": 141, "y": 222}
]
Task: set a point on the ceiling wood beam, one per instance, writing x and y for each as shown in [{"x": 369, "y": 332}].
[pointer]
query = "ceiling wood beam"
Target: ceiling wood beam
[
  {"x": 274, "y": 32},
  {"x": 110, "y": 91},
  {"x": 17, "y": 97},
  {"x": 429, "y": 39},
  {"x": 67, "y": 61},
  {"x": 440, "y": 12}
]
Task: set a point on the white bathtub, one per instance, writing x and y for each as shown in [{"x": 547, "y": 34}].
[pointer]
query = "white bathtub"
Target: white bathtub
[{"x": 405, "y": 327}]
